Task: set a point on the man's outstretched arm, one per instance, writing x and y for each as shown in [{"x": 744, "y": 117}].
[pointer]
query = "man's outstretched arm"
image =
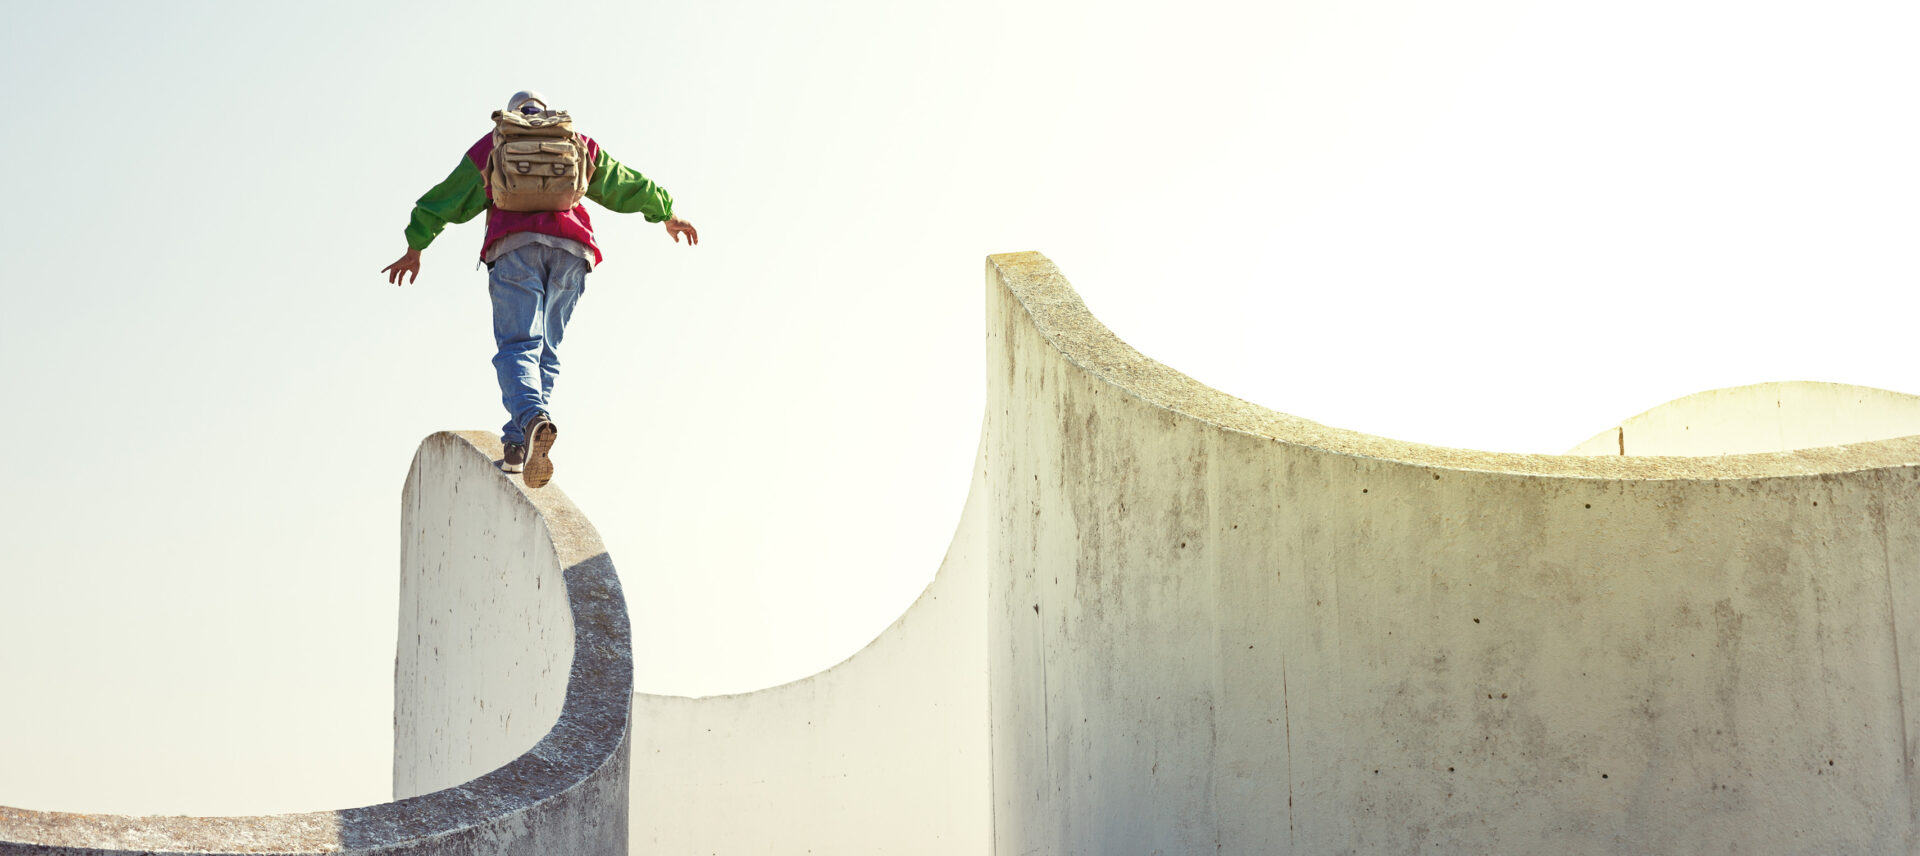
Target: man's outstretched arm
[
  {"x": 619, "y": 188},
  {"x": 459, "y": 198}
]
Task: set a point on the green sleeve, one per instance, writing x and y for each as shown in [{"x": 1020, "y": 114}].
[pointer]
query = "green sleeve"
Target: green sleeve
[
  {"x": 623, "y": 190},
  {"x": 461, "y": 197}
]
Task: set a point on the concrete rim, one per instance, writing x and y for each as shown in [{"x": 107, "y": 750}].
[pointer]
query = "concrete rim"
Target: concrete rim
[
  {"x": 592, "y": 729},
  {"x": 1063, "y": 320}
]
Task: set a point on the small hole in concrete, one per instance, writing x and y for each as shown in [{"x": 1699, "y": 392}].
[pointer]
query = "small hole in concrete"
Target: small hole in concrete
[
  {"x": 1476, "y": 621},
  {"x": 1436, "y": 476},
  {"x": 1589, "y": 505},
  {"x": 1603, "y": 775}
]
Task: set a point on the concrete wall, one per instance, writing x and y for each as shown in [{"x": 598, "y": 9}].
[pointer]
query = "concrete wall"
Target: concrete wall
[
  {"x": 477, "y": 549},
  {"x": 1763, "y": 417},
  {"x": 885, "y": 753},
  {"x": 1218, "y": 629},
  {"x": 485, "y": 639},
  {"x": 1174, "y": 622}
]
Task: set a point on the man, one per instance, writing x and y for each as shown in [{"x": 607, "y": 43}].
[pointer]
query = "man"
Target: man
[{"x": 538, "y": 263}]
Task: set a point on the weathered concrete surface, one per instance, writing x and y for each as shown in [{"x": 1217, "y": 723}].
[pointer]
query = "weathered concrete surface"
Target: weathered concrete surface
[
  {"x": 1208, "y": 628},
  {"x": 565, "y": 793},
  {"x": 1762, "y": 417},
  {"x": 1218, "y": 629},
  {"x": 885, "y": 753},
  {"x": 483, "y": 650}
]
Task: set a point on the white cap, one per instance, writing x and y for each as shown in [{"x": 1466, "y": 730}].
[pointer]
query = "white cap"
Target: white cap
[{"x": 522, "y": 97}]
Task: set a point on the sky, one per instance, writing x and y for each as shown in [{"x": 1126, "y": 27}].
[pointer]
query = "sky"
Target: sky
[{"x": 1492, "y": 224}]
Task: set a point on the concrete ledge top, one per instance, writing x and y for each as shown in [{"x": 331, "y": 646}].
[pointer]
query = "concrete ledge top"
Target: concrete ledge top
[
  {"x": 591, "y": 729},
  {"x": 1064, "y": 321}
]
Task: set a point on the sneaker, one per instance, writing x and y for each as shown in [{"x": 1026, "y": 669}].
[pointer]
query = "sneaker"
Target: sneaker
[
  {"x": 540, "y": 436},
  {"x": 515, "y": 459}
]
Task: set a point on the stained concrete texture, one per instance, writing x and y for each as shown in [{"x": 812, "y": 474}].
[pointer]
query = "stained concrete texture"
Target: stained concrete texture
[
  {"x": 1175, "y": 622},
  {"x": 1762, "y": 417},
  {"x": 1213, "y": 628},
  {"x": 482, "y": 556},
  {"x": 483, "y": 653}
]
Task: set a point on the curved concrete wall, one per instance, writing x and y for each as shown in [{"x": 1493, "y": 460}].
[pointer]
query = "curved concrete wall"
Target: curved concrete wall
[
  {"x": 1218, "y": 629},
  {"x": 481, "y": 668},
  {"x": 885, "y": 753},
  {"x": 1762, "y": 417},
  {"x": 478, "y": 551},
  {"x": 1208, "y": 627}
]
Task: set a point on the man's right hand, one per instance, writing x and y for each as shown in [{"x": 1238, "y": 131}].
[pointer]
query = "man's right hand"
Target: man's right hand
[{"x": 408, "y": 264}]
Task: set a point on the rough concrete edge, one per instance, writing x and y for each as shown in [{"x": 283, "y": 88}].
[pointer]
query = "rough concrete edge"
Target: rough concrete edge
[
  {"x": 1060, "y": 317},
  {"x": 593, "y": 731},
  {"x": 926, "y": 593}
]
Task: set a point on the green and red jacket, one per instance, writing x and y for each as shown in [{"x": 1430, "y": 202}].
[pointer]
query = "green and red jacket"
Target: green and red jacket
[{"x": 464, "y": 194}]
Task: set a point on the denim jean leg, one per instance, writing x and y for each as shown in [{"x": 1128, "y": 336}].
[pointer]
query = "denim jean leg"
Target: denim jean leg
[
  {"x": 566, "y": 282},
  {"x": 517, "y": 285}
]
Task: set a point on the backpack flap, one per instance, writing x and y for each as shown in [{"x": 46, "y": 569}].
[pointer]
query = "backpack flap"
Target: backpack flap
[{"x": 541, "y": 159}]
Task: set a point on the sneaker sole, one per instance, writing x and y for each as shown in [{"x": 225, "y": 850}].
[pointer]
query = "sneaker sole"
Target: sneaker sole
[{"x": 540, "y": 467}]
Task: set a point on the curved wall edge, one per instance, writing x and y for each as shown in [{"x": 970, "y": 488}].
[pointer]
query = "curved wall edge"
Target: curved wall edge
[
  {"x": 567, "y": 793},
  {"x": 1060, "y": 318},
  {"x": 882, "y": 753},
  {"x": 1215, "y": 628}
]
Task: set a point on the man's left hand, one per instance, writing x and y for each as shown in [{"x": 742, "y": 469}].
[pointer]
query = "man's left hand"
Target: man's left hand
[{"x": 675, "y": 226}]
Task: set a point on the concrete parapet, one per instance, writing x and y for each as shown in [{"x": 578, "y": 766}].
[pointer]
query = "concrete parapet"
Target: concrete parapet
[
  {"x": 1175, "y": 622},
  {"x": 1213, "y": 628},
  {"x": 483, "y": 561}
]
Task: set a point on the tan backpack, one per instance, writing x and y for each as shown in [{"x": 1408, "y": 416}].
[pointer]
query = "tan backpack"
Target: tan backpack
[{"x": 538, "y": 162}]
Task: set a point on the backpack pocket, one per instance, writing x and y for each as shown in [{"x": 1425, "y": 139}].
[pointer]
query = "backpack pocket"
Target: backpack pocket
[{"x": 540, "y": 159}]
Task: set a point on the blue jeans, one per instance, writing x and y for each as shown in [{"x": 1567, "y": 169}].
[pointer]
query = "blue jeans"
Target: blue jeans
[{"x": 534, "y": 289}]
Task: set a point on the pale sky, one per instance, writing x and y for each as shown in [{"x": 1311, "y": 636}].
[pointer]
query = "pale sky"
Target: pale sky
[{"x": 1497, "y": 224}]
